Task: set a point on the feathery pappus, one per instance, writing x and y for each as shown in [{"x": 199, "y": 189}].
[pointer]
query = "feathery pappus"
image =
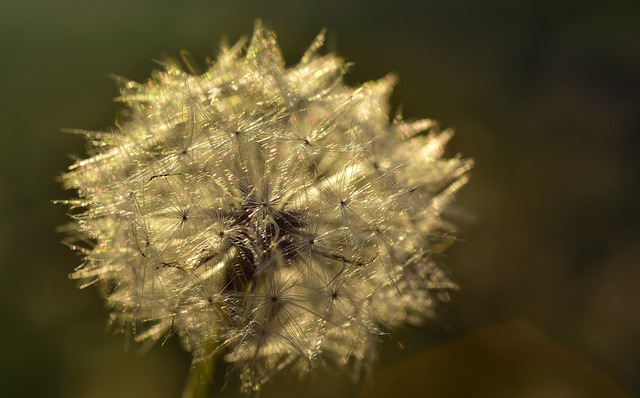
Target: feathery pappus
[{"x": 267, "y": 213}]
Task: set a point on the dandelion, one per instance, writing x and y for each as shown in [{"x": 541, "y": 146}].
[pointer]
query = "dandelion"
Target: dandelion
[{"x": 267, "y": 214}]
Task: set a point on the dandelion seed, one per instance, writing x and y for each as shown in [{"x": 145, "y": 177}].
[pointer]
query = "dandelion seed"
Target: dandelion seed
[{"x": 269, "y": 214}]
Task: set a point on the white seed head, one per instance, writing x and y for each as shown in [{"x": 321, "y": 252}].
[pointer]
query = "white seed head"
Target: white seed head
[{"x": 270, "y": 214}]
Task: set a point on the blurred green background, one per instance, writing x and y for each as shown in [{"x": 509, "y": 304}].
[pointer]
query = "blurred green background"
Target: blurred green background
[{"x": 544, "y": 95}]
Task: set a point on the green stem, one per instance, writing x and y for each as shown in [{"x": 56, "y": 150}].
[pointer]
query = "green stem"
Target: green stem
[{"x": 200, "y": 379}]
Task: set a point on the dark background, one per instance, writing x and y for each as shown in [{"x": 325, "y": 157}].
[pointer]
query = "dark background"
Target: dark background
[{"x": 543, "y": 95}]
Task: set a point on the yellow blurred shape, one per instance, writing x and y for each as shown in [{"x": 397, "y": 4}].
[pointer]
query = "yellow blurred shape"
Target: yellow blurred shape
[{"x": 510, "y": 359}]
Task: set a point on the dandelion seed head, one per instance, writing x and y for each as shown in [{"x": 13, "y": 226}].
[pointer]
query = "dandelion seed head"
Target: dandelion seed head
[{"x": 267, "y": 213}]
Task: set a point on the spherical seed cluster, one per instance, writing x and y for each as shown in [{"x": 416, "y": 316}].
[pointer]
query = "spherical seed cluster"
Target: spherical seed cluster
[{"x": 273, "y": 215}]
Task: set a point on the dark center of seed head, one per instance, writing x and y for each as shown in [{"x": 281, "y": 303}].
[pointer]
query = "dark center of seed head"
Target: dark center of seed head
[{"x": 256, "y": 242}]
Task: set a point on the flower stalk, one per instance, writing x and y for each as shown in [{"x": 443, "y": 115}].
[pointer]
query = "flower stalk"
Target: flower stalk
[{"x": 200, "y": 379}]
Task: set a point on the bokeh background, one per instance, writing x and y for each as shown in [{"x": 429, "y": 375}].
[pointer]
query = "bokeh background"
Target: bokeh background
[{"x": 544, "y": 95}]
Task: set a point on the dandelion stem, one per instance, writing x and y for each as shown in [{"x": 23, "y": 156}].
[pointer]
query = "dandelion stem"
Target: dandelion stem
[{"x": 200, "y": 379}]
